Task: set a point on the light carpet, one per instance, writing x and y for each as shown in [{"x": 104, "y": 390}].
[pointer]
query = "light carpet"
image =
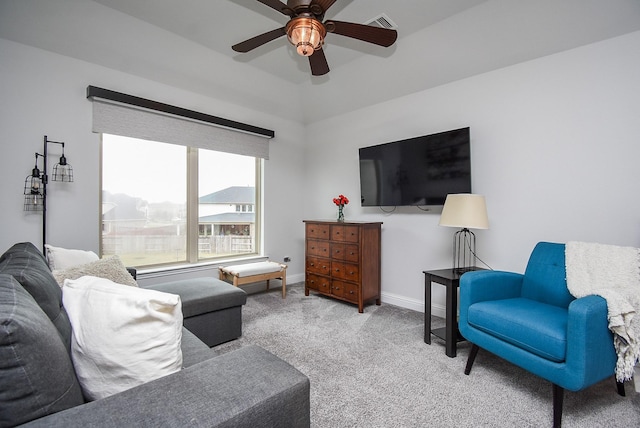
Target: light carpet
[{"x": 374, "y": 370}]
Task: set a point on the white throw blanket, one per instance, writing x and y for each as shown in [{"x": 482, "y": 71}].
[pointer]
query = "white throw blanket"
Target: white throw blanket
[{"x": 614, "y": 273}]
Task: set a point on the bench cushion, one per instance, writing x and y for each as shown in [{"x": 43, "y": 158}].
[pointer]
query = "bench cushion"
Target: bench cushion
[
  {"x": 251, "y": 269},
  {"x": 522, "y": 325}
]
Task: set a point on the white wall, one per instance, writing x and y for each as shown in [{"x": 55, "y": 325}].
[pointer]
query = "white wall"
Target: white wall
[
  {"x": 45, "y": 94},
  {"x": 555, "y": 149}
]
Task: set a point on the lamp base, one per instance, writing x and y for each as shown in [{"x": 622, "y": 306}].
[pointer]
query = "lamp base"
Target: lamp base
[{"x": 464, "y": 251}]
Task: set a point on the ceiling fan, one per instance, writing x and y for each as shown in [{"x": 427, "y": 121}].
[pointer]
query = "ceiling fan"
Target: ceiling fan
[{"x": 306, "y": 31}]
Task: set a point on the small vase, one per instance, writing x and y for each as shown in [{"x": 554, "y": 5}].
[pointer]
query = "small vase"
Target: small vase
[{"x": 340, "y": 214}]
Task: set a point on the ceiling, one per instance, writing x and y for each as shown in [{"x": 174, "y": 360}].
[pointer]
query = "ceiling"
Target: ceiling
[
  {"x": 218, "y": 25},
  {"x": 187, "y": 44}
]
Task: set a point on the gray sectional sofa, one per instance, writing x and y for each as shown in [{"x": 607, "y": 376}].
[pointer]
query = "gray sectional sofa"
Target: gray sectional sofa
[{"x": 249, "y": 387}]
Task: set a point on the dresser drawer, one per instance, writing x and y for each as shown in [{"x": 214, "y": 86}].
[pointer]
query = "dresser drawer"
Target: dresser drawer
[
  {"x": 347, "y": 252},
  {"x": 350, "y": 292},
  {"x": 317, "y": 248},
  {"x": 345, "y": 290},
  {"x": 345, "y": 233},
  {"x": 337, "y": 288},
  {"x": 317, "y": 231},
  {"x": 347, "y": 271},
  {"x": 319, "y": 265},
  {"x": 319, "y": 283}
]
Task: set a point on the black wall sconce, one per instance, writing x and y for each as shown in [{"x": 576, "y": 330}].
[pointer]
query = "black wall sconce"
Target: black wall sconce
[{"x": 35, "y": 185}]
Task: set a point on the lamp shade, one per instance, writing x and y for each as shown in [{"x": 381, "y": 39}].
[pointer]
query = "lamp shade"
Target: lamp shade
[{"x": 465, "y": 210}]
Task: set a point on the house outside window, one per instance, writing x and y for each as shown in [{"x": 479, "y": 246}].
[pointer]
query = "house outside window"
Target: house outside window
[{"x": 171, "y": 204}]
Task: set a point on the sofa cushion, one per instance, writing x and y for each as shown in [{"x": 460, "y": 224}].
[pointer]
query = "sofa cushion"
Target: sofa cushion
[
  {"x": 122, "y": 336},
  {"x": 194, "y": 350},
  {"x": 203, "y": 295},
  {"x": 36, "y": 373},
  {"x": 110, "y": 268},
  {"x": 28, "y": 266},
  {"x": 536, "y": 327},
  {"x": 63, "y": 258}
]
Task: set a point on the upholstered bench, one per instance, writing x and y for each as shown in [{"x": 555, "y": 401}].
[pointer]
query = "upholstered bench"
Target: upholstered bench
[
  {"x": 255, "y": 272},
  {"x": 212, "y": 309}
]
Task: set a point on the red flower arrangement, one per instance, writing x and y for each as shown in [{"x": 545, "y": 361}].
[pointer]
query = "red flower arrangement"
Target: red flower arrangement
[{"x": 341, "y": 200}]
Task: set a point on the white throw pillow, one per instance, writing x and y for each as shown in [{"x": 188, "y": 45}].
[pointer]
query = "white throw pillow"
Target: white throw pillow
[
  {"x": 122, "y": 336},
  {"x": 62, "y": 258},
  {"x": 110, "y": 268}
]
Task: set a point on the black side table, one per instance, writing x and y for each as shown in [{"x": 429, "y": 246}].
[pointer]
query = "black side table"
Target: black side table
[{"x": 450, "y": 333}]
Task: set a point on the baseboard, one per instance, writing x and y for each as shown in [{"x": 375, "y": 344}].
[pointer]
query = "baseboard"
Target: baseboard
[
  {"x": 390, "y": 298},
  {"x": 413, "y": 304},
  {"x": 295, "y": 278}
]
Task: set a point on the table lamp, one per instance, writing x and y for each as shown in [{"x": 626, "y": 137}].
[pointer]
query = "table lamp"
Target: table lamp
[{"x": 467, "y": 211}]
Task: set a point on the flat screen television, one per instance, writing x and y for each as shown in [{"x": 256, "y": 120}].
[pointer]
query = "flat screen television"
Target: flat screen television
[{"x": 418, "y": 171}]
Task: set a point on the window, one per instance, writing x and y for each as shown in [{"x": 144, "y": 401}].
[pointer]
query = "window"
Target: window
[{"x": 166, "y": 204}]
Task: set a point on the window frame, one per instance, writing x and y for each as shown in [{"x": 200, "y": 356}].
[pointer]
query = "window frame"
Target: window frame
[{"x": 192, "y": 207}]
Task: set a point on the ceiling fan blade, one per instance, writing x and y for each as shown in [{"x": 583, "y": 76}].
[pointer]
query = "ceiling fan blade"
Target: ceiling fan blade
[
  {"x": 367, "y": 33},
  {"x": 324, "y": 4},
  {"x": 259, "y": 40},
  {"x": 318, "y": 63},
  {"x": 277, "y": 5}
]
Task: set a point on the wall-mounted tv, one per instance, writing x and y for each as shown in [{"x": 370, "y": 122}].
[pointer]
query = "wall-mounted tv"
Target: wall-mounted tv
[{"x": 417, "y": 171}]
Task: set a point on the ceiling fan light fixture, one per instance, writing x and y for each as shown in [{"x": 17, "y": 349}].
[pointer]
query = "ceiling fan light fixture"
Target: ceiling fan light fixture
[{"x": 306, "y": 34}]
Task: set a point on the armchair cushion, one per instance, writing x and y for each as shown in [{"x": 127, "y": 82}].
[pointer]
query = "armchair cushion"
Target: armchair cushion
[
  {"x": 545, "y": 276},
  {"x": 518, "y": 321}
]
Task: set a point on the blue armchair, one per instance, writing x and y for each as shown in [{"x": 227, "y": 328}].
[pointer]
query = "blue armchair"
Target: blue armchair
[{"x": 532, "y": 321}]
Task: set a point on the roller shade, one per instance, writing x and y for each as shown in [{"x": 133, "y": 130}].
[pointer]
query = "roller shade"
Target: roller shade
[{"x": 168, "y": 124}]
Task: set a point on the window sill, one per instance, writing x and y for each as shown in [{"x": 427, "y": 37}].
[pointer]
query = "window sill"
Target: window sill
[{"x": 167, "y": 271}]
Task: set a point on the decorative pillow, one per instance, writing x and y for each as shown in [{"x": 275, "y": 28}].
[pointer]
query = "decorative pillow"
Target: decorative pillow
[
  {"x": 122, "y": 336},
  {"x": 36, "y": 373},
  {"x": 62, "y": 258},
  {"x": 110, "y": 268}
]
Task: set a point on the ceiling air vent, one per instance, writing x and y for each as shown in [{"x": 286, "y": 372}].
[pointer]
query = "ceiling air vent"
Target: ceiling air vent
[{"x": 382, "y": 21}]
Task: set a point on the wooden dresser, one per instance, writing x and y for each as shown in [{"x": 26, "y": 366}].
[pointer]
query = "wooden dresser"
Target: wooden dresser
[{"x": 342, "y": 260}]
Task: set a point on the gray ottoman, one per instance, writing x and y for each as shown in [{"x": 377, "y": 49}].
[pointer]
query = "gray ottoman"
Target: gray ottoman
[{"x": 212, "y": 309}]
